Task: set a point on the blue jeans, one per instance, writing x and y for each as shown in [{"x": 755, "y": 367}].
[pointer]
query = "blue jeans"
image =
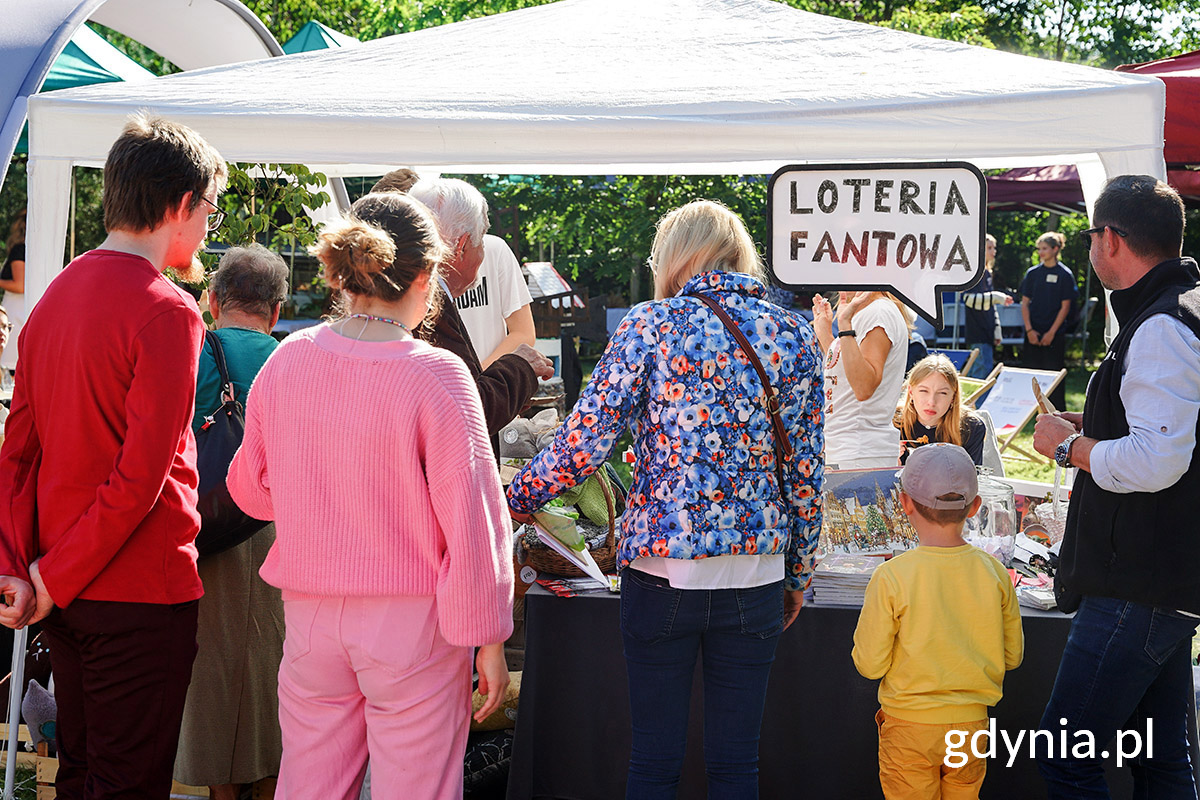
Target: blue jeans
[
  {"x": 1124, "y": 663},
  {"x": 735, "y": 631},
  {"x": 984, "y": 363}
]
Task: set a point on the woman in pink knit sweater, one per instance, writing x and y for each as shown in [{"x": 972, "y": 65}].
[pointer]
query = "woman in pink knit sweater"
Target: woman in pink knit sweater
[{"x": 368, "y": 449}]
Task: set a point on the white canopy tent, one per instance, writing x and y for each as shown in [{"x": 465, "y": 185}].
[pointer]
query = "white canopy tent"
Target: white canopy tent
[{"x": 619, "y": 86}]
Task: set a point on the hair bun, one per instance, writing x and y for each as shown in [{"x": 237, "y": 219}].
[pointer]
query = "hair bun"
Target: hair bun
[{"x": 354, "y": 251}]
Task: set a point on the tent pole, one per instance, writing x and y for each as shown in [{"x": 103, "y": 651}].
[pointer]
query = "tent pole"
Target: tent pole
[
  {"x": 1083, "y": 318},
  {"x": 16, "y": 688},
  {"x": 73, "y": 204},
  {"x": 957, "y": 313}
]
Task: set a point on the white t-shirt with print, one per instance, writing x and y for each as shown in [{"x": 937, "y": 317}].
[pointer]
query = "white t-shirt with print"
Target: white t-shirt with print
[
  {"x": 858, "y": 434},
  {"x": 498, "y": 291}
]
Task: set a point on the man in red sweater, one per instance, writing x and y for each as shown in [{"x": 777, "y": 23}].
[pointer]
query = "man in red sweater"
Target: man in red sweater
[{"x": 98, "y": 470}]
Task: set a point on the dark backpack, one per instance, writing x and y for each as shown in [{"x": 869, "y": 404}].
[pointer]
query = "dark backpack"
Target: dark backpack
[{"x": 222, "y": 524}]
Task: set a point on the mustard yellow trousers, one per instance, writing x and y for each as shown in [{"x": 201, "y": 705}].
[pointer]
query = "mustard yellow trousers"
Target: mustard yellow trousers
[{"x": 913, "y": 756}]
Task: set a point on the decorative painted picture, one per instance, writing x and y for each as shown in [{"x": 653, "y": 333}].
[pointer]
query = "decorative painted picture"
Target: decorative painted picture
[{"x": 862, "y": 512}]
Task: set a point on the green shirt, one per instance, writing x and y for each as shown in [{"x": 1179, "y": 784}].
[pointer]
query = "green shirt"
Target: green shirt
[{"x": 245, "y": 353}]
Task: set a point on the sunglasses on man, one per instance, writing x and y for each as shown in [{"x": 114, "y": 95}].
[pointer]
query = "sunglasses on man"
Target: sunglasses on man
[{"x": 1087, "y": 235}]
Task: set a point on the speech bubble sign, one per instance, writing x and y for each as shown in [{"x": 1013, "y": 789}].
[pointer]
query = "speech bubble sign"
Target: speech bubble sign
[{"x": 915, "y": 230}]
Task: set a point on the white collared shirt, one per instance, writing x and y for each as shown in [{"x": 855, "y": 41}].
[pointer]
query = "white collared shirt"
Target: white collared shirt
[{"x": 1160, "y": 389}]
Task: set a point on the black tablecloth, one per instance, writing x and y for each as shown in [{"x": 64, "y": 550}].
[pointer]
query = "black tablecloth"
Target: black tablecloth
[{"x": 818, "y": 736}]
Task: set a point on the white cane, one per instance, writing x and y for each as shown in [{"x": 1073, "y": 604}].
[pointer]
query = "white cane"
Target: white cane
[{"x": 15, "y": 687}]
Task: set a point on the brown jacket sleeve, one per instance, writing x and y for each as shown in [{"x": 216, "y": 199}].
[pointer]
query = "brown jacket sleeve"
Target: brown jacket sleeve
[{"x": 505, "y": 387}]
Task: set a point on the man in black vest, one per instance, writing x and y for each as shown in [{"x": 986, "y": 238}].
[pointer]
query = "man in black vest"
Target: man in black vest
[{"x": 1131, "y": 554}]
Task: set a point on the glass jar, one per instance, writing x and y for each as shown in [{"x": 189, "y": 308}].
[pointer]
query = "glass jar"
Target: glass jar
[{"x": 994, "y": 526}]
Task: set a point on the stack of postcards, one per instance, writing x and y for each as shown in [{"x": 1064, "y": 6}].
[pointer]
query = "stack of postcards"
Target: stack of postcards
[
  {"x": 1041, "y": 597},
  {"x": 842, "y": 578}
]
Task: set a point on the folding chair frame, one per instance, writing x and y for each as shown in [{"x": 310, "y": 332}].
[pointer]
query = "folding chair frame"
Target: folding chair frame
[{"x": 1005, "y": 442}]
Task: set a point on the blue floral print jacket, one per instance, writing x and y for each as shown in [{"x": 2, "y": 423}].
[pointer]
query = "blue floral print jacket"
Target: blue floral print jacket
[{"x": 704, "y": 481}]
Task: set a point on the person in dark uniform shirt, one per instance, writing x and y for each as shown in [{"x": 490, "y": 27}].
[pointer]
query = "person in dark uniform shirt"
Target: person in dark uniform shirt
[{"x": 1047, "y": 293}]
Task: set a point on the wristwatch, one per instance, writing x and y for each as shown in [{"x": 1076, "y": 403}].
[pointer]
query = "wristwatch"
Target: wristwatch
[
  {"x": 847, "y": 332},
  {"x": 1062, "y": 453}
]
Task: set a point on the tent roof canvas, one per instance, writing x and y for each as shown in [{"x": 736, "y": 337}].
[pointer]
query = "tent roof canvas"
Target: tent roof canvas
[
  {"x": 317, "y": 36},
  {"x": 619, "y": 86},
  {"x": 640, "y": 85}
]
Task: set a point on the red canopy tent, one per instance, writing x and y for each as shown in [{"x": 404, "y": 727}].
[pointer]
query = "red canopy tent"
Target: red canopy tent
[
  {"x": 1056, "y": 189},
  {"x": 1181, "y": 74}
]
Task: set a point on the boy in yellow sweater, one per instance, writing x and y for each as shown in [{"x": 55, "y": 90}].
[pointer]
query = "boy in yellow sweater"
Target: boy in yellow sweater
[{"x": 940, "y": 625}]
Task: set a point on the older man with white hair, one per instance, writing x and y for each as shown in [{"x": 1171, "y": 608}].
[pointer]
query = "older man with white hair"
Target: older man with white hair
[
  {"x": 461, "y": 213},
  {"x": 483, "y": 276}
]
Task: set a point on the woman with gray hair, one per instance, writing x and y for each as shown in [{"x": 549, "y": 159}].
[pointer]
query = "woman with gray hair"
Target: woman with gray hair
[{"x": 230, "y": 735}]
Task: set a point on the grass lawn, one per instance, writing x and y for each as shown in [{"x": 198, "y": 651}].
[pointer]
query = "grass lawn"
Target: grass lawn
[{"x": 25, "y": 784}]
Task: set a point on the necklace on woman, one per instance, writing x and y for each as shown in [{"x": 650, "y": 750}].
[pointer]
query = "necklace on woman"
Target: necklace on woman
[{"x": 373, "y": 318}]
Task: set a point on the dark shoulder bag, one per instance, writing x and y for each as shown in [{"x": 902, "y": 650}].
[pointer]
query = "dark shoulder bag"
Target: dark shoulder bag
[
  {"x": 783, "y": 446},
  {"x": 222, "y": 524}
]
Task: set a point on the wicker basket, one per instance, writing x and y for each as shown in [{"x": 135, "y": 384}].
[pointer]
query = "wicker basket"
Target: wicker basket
[{"x": 533, "y": 552}]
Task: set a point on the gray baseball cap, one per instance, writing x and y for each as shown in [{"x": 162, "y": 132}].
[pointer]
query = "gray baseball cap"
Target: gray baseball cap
[{"x": 940, "y": 476}]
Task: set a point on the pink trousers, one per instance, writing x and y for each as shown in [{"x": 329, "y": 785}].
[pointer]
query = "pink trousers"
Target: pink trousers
[{"x": 371, "y": 676}]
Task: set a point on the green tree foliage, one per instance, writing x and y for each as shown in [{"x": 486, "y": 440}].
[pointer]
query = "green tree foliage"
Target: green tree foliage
[
  {"x": 1106, "y": 33},
  {"x": 285, "y": 17},
  {"x": 14, "y": 197},
  {"x": 266, "y": 203},
  {"x": 136, "y": 51},
  {"x": 601, "y": 227},
  {"x": 967, "y": 24},
  {"x": 87, "y": 221},
  {"x": 402, "y": 16},
  {"x": 1098, "y": 32},
  {"x": 955, "y": 21}
]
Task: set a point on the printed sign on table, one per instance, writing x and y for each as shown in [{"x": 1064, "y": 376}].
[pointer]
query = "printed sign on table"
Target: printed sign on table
[{"x": 912, "y": 229}]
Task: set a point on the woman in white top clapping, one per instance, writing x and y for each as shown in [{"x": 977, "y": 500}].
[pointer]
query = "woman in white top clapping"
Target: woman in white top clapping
[{"x": 864, "y": 376}]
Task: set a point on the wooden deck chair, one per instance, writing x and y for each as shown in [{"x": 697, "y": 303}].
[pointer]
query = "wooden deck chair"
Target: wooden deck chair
[
  {"x": 1011, "y": 403},
  {"x": 961, "y": 359},
  {"x": 972, "y": 399}
]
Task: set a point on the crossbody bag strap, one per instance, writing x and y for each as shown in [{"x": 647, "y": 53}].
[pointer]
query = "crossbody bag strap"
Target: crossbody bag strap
[
  {"x": 783, "y": 446},
  {"x": 228, "y": 395}
]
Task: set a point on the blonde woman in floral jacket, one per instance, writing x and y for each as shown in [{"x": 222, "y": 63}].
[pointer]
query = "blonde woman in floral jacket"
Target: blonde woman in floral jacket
[{"x": 714, "y": 553}]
